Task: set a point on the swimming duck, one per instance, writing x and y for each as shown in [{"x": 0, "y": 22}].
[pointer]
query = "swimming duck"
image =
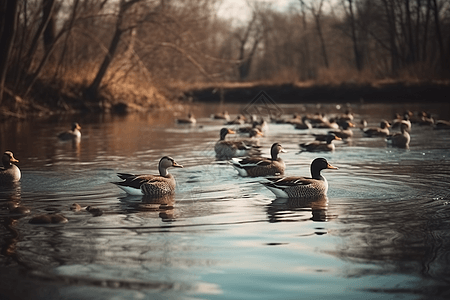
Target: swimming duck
[
  {"x": 72, "y": 134},
  {"x": 345, "y": 132},
  {"x": 400, "y": 139},
  {"x": 442, "y": 124},
  {"x": 303, "y": 124},
  {"x": 190, "y": 120},
  {"x": 253, "y": 141},
  {"x": 398, "y": 122},
  {"x": 321, "y": 146},
  {"x": 228, "y": 149},
  {"x": 261, "y": 166},
  {"x": 240, "y": 119},
  {"x": 302, "y": 187},
  {"x": 152, "y": 185},
  {"x": 383, "y": 130},
  {"x": 9, "y": 172},
  {"x": 222, "y": 116}
]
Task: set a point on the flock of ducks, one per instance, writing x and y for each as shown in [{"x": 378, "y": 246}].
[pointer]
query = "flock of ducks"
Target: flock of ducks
[{"x": 244, "y": 156}]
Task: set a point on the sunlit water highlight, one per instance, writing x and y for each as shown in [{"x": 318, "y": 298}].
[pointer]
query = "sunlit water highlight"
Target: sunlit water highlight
[{"x": 383, "y": 230}]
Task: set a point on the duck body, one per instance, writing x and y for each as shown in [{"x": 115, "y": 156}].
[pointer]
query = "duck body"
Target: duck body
[
  {"x": 383, "y": 130},
  {"x": 400, "y": 139},
  {"x": 316, "y": 146},
  {"x": 222, "y": 116},
  {"x": 72, "y": 134},
  {"x": 152, "y": 185},
  {"x": 302, "y": 187},
  {"x": 442, "y": 124},
  {"x": 345, "y": 132},
  {"x": 189, "y": 120},
  {"x": 261, "y": 166},
  {"x": 227, "y": 149},
  {"x": 9, "y": 173}
]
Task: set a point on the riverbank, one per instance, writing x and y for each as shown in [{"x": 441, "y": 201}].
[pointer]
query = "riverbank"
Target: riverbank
[
  {"x": 47, "y": 100},
  {"x": 382, "y": 91}
]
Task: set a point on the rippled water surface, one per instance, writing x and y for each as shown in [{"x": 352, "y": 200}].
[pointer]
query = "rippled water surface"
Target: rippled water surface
[{"x": 383, "y": 231}]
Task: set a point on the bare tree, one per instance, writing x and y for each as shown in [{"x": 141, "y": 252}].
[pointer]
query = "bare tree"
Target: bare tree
[{"x": 8, "y": 22}]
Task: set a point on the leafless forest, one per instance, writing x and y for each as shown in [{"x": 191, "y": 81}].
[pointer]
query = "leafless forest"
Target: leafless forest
[{"x": 92, "y": 53}]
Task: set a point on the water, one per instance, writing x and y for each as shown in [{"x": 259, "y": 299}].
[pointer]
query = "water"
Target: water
[{"x": 383, "y": 230}]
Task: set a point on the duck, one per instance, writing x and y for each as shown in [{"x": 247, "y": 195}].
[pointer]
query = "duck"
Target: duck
[
  {"x": 189, "y": 120},
  {"x": 261, "y": 166},
  {"x": 302, "y": 187},
  {"x": 345, "y": 132},
  {"x": 9, "y": 173},
  {"x": 383, "y": 130},
  {"x": 222, "y": 116},
  {"x": 152, "y": 185},
  {"x": 253, "y": 140},
  {"x": 442, "y": 124},
  {"x": 240, "y": 119},
  {"x": 303, "y": 124},
  {"x": 72, "y": 134},
  {"x": 228, "y": 149},
  {"x": 331, "y": 124},
  {"x": 320, "y": 145},
  {"x": 400, "y": 139},
  {"x": 399, "y": 121}
]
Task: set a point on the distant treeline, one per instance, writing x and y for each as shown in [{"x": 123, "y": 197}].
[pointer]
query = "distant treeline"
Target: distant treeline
[{"x": 58, "y": 52}]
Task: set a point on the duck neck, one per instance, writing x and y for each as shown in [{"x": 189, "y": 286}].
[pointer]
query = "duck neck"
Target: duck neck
[
  {"x": 163, "y": 171},
  {"x": 274, "y": 155},
  {"x": 316, "y": 174},
  {"x": 222, "y": 136}
]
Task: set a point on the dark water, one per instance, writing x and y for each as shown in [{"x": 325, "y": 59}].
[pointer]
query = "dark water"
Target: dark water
[{"x": 383, "y": 232}]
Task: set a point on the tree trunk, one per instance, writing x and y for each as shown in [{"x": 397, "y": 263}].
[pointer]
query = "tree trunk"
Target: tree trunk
[
  {"x": 8, "y": 23},
  {"x": 356, "y": 52},
  {"x": 49, "y": 30},
  {"x": 92, "y": 91}
]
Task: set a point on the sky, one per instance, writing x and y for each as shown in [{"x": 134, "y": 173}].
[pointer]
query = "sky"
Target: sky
[{"x": 239, "y": 10}]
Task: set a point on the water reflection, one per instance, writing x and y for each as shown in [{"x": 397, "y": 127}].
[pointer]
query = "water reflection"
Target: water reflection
[
  {"x": 280, "y": 209},
  {"x": 147, "y": 205}
]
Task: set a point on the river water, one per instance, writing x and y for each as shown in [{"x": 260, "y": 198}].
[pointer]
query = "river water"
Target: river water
[{"x": 382, "y": 232}]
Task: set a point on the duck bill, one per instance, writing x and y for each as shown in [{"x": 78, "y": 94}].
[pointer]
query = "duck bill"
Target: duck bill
[
  {"x": 231, "y": 131},
  {"x": 332, "y": 167},
  {"x": 176, "y": 165},
  {"x": 351, "y": 124},
  {"x": 282, "y": 150},
  {"x": 14, "y": 160},
  {"x": 337, "y": 138}
]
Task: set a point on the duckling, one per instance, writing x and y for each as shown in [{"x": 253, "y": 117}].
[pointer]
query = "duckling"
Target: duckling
[
  {"x": 302, "y": 187},
  {"x": 261, "y": 166},
  {"x": 72, "y": 134},
  {"x": 321, "y": 146},
  {"x": 383, "y": 130},
  {"x": 48, "y": 219},
  {"x": 190, "y": 120},
  {"x": 400, "y": 140},
  {"x": 152, "y": 185},
  {"x": 228, "y": 149},
  {"x": 9, "y": 173}
]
